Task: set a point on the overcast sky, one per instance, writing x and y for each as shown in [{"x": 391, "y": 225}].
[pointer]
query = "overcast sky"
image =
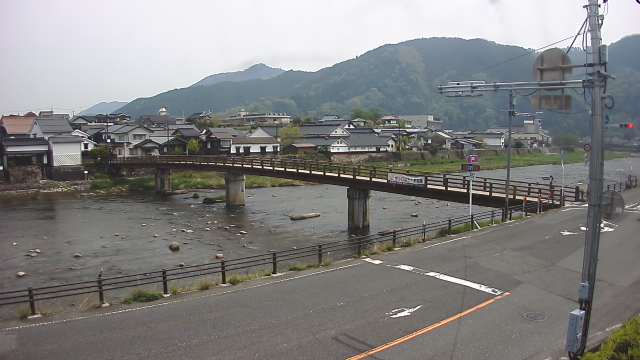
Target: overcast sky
[{"x": 71, "y": 54}]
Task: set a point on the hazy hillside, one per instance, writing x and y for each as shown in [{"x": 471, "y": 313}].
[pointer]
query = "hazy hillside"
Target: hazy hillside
[
  {"x": 103, "y": 108},
  {"x": 402, "y": 78},
  {"x": 257, "y": 71}
]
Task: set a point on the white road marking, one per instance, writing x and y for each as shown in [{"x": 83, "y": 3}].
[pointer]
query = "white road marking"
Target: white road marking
[
  {"x": 603, "y": 226},
  {"x": 402, "y": 312},
  {"x": 450, "y": 279},
  {"x": 373, "y": 261},
  {"x": 566, "y": 232},
  {"x": 191, "y": 298},
  {"x": 613, "y": 327},
  {"x": 446, "y": 242}
]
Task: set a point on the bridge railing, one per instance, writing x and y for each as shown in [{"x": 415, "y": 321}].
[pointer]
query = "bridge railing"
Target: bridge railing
[
  {"x": 491, "y": 186},
  {"x": 271, "y": 262}
]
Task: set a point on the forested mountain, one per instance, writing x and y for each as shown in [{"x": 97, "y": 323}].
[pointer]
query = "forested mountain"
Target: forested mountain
[
  {"x": 402, "y": 79},
  {"x": 257, "y": 71},
  {"x": 103, "y": 108}
]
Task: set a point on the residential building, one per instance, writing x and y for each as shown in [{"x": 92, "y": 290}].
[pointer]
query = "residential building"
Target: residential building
[
  {"x": 87, "y": 143},
  {"x": 23, "y": 159},
  {"x": 422, "y": 121},
  {"x": 218, "y": 140},
  {"x": 17, "y": 125},
  {"x": 48, "y": 124},
  {"x": 245, "y": 145},
  {"x": 491, "y": 140},
  {"x": 65, "y": 150},
  {"x": 122, "y": 138},
  {"x": 82, "y": 120},
  {"x": 247, "y": 118}
]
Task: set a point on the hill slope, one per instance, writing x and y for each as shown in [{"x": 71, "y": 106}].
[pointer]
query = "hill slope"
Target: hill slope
[
  {"x": 103, "y": 108},
  {"x": 257, "y": 71},
  {"x": 398, "y": 78}
]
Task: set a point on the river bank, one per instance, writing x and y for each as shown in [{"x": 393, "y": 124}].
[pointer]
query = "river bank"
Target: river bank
[{"x": 495, "y": 162}]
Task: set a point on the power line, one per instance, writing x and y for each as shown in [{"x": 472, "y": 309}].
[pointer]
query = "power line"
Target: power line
[{"x": 529, "y": 52}]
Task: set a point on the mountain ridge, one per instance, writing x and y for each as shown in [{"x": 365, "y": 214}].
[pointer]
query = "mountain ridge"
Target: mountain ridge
[{"x": 256, "y": 71}]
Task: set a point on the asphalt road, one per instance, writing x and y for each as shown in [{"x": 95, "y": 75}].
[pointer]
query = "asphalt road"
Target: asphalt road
[{"x": 500, "y": 293}]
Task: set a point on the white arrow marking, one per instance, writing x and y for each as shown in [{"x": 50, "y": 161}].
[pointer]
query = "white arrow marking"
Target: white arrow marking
[
  {"x": 402, "y": 312},
  {"x": 566, "y": 232}
]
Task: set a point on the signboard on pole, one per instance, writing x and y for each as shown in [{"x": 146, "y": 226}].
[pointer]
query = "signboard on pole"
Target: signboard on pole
[
  {"x": 472, "y": 159},
  {"x": 469, "y": 167},
  {"x": 404, "y": 179},
  {"x": 552, "y": 65}
]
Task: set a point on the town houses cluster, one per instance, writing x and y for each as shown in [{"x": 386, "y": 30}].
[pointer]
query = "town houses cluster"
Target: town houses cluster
[{"x": 56, "y": 146}]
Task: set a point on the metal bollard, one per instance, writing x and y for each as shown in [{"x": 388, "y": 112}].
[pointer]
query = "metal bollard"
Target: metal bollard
[
  {"x": 165, "y": 283},
  {"x": 424, "y": 231},
  {"x": 319, "y": 254},
  {"x": 492, "y": 220},
  {"x": 274, "y": 263},
  {"x": 449, "y": 227},
  {"x": 471, "y": 223},
  {"x": 510, "y": 214},
  {"x": 100, "y": 290},
  {"x": 32, "y": 302},
  {"x": 394, "y": 239},
  {"x": 223, "y": 272}
]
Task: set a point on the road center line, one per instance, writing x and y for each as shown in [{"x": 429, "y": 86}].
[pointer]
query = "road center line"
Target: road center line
[
  {"x": 451, "y": 279},
  {"x": 428, "y": 329}
]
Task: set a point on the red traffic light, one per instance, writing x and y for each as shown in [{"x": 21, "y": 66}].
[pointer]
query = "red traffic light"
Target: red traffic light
[{"x": 627, "y": 125}]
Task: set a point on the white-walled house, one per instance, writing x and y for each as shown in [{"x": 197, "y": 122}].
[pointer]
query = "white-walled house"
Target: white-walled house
[
  {"x": 491, "y": 140},
  {"x": 254, "y": 145},
  {"x": 125, "y": 137},
  {"x": 87, "y": 144},
  {"x": 65, "y": 150}
]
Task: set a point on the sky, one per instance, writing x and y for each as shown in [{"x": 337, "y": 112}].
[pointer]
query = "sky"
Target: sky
[{"x": 70, "y": 54}]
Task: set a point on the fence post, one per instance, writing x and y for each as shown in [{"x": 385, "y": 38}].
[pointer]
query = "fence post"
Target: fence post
[
  {"x": 492, "y": 214},
  {"x": 101, "y": 292},
  {"x": 274, "y": 263},
  {"x": 165, "y": 284},
  {"x": 445, "y": 181},
  {"x": 394, "y": 239},
  {"x": 490, "y": 189},
  {"x": 503, "y": 215},
  {"x": 32, "y": 302},
  {"x": 471, "y": 219},
  {"x": 370, "y": 175},
  {"x": 510, "y": 214},
  {"x": 319, "y": 254},
  {"x": 577, "y": 194},
  {"x": 359, "y": 248},
  {"x": 449, "y": 227},
  {"x": 223, "y": 272},
  {"x": 424, "y": 231}
]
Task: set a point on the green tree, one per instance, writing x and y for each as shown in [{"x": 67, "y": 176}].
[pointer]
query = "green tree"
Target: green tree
[
  {"x": 289, "y": 135},
  {"x": 193, "y": 147},
  {"x": 566, "y": 141}
]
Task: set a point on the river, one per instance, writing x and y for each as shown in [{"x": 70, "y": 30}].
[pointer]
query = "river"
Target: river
[{"x": 129, "y": 234}]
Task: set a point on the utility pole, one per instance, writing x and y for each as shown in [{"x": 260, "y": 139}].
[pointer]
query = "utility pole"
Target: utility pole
[
  {"x": 512, "y": 110},
  {"x": 594, "y": 216}
]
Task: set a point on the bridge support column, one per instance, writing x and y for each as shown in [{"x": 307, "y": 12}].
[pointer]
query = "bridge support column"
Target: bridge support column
[
  {"x": 358, "y": 211},
  {"x": 163, "y": 180},
  {"x": 234, "y": 189}
]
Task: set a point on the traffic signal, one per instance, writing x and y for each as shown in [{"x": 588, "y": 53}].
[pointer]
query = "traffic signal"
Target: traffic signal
[{"x": 627, "y": 125}]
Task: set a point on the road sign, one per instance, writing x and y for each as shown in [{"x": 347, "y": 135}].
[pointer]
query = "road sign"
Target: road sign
[
  {"x": 469, "y": 167},
  {"x": 473, "y": 158},
  {"x": 587, "y": 147},
  {"x": 552, "y": 65}
]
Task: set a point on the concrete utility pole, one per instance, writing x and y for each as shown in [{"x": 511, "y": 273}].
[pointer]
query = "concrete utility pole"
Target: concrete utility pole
[
  {"x": 512, "y": 109},
  {"x": 594, "y": 216}
]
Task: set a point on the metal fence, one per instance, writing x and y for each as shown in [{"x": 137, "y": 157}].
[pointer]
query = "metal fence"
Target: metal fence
[
  {"x": 269, "y": 262},
  {"x": 546, "y": 192}
]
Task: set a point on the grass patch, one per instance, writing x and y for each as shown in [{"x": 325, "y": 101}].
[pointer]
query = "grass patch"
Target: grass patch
[
  {"x": 302, "y": 267},
  {"x": 205, "y": 285},
  {"x": 624, "y": 344},
  {"x": 490, "y": 162},
  {"x": 240, "y": 278},
  {"x": 24, "y": 313},
  {"x": 141, "y": 296}
]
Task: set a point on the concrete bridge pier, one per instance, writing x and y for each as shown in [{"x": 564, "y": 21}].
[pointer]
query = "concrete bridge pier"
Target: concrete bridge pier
[
  {"x": 163, "y": 180},
  {"x": 234, "y": 189},
  {"x": 358, "y": 211}
]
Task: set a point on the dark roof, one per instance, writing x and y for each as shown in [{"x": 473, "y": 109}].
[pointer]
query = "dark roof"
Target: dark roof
[
  {"x": 187, "y": 132},
  {"x": 26, "y": 141},
  {"x": 65, "y": 139},
  {"x": 361, "y": 130},
  {"x": 147, "y": 143},
  {"x": 271, "y": 130},
  {"x": 123, "y": 129},
  {"x": 174, "y": 140},
  {"x": 318, "y": 141},
  {"x": 357, "y": 139},
  {"x": 253, "y": 140},
  {"x": 54, "y": 125},
  {"x": 224, "y": 133},
  {"x": 315, "y": 130}
]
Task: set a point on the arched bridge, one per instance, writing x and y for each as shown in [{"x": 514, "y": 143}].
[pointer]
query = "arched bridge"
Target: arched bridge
[{"x": 359, "y": 179}]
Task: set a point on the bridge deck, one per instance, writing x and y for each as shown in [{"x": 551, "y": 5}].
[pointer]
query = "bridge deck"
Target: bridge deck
[{"x": 450, "y": 187}]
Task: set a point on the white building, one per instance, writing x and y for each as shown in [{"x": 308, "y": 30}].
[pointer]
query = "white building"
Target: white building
[
  {"x": 65, "y": 150},
  {"x": 254, "y": 145}
]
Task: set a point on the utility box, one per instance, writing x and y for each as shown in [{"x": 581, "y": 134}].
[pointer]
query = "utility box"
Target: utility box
[{"x": 574, "y": 332}]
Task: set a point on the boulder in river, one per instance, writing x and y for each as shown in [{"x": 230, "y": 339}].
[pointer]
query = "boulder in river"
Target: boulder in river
[
  {"x": 195, "y": 196},
  {"x": 21, "y": 274},
  {"x": 77, "y": 255},
  {"x": 219, "y": 256},
  {"x": 213, "y": 200},
  {"x": 414, "y": 215},
  {"x": 174, "y": 246},
  {"x": 296, "y": 217}
]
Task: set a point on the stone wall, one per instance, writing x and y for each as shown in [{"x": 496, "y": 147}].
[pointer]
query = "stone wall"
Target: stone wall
[{"x": 25, "y": 174}]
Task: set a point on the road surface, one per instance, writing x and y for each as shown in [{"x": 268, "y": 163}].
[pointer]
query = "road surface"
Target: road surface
[{"x": 500, "y": 293}]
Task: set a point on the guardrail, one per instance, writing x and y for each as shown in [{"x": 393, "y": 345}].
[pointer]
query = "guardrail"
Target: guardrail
[
  {"x": 546, "y": 192},
  {"x": 272, "y": 260}
]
